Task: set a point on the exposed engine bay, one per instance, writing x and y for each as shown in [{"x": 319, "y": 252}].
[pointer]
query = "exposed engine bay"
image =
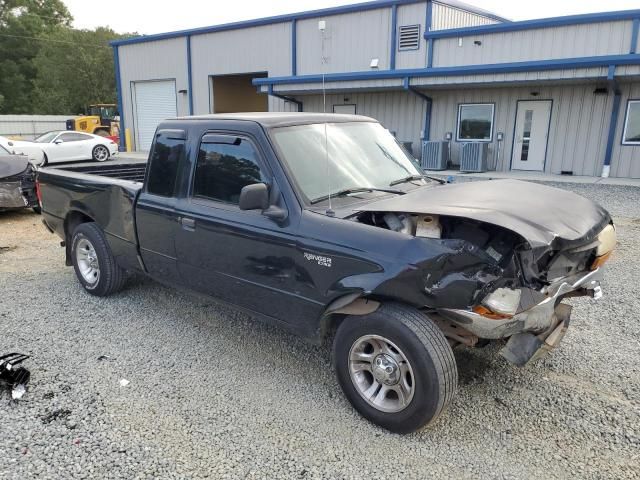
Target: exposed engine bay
[{"x": 490, "y": 269}]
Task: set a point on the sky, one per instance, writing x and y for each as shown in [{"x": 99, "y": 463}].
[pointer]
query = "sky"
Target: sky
[{"x": 153, "y": 16}]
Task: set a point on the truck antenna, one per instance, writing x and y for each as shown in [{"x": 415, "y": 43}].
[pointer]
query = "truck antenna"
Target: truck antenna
[{"x": 322, "y": 26}]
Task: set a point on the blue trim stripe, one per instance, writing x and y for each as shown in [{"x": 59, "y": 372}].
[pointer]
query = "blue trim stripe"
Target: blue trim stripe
[
  {"x": 358, "y": 7},
  {"x": 634, "y": 36},
  {"x": 427, "y": 29},
  {"x": 538, "y": 65},
  {"x": 533, "y": 24},
  {"x": 294, "y": 47},
  {"x": 189, "y": 80},
  {"x": 123, "y": 138},
  {"x": 394, "y": 33}
]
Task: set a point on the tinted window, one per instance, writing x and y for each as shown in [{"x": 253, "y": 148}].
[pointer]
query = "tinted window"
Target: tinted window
[
  {"x": 73, "y": 137},
  {"x": 165, "y": 156},
  {"x": 223, "y": 169}
]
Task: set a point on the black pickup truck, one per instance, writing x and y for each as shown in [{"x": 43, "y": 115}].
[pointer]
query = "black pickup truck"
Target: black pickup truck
[{"x": 325, "y": 225}]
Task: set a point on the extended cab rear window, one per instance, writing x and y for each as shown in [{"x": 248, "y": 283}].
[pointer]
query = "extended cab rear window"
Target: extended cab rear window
[{"x": 166, "y": 153}]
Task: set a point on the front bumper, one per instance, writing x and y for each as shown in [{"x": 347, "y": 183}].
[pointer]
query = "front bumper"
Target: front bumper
[{"x": 537, "y": 319}]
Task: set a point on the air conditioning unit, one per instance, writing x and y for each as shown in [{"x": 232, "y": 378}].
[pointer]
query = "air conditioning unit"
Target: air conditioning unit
[
  {"x": 473, "y": 157},
  {"x": 435, "y": 155}
]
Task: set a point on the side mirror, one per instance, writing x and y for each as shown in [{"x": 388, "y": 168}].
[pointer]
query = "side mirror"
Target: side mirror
[
  {"x": 254, "y": 197},
  {"x": 58, "y": 142},
  {"x": 10, "y": 144}
]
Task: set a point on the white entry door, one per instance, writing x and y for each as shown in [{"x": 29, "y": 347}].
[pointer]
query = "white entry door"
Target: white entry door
[
  {"x": 530, "y": 139},
  {"x": 154, "y": 102}
]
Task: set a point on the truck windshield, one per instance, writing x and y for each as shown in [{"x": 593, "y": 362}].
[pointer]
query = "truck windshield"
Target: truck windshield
[{"x": 357, "y": 155}]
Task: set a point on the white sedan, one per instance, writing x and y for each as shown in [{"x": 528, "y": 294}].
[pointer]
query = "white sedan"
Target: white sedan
[{"x": 64, "y": 146}]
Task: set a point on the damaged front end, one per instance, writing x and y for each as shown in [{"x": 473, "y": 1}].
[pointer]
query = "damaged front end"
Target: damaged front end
[
  {"x": 17, "y": 183},
  {"x": 480, "y": 280}
]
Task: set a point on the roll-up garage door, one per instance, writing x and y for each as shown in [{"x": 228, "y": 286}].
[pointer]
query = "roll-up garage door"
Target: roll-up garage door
[{"x": 154, "y": 102}]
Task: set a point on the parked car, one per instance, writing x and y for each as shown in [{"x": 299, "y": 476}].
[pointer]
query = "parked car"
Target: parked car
[
  {"x": 65, "y": 146},
  {"x": 17, "y": 182},
  {"x": 324, "y": 225}
]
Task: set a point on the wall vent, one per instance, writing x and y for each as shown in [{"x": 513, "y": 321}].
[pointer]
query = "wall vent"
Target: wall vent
[
  {"x": 435, "y": 155},
  {"x": 473, "y": 157},
  {"x": 409, "y": 37}
]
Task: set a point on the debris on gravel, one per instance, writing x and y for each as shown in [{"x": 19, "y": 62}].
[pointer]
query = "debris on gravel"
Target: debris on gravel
[{"x": 214, "y": 394}]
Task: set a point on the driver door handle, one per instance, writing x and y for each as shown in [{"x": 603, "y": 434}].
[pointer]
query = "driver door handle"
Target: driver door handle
[{"x": 187, "y": 223}]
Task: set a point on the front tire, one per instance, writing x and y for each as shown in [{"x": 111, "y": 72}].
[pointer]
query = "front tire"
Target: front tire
[
  {"x": 93, "y": 262},
  {"x": 396, "y": 367},
  {"x": 100, "y": 153}
]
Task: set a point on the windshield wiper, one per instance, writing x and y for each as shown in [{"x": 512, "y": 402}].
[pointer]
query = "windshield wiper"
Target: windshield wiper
[
  {"x": 348, "y": 191},
  {"x": 415, "y": 177}
]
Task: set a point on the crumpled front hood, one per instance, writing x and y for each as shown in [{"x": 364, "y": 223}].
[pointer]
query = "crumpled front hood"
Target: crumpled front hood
[{"x": 544, "y": 216}]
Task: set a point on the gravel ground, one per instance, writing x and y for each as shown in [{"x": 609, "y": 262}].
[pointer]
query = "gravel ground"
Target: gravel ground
[{"x": 214, "y": 394}]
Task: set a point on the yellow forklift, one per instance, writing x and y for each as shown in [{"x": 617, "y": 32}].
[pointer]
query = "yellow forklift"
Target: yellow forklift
[{"x": 103, "y": 119}]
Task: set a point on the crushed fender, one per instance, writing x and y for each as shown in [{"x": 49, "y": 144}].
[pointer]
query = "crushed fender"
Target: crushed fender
[{"x": 13, "y": 376}]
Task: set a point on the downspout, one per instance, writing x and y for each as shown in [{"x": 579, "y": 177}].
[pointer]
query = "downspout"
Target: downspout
[
  {"x": 427, "y": 28},
  {"x": 189, "y": 81},
  {"x": 285, "y": 98},
  {"x": 122, "y": 146},
  {"x": 429, "y": 103},
  {"x": 613, "y": 123}
]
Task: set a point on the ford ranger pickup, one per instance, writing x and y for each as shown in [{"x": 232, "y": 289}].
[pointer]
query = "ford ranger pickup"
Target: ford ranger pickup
[{"x": 323, "y": 224}]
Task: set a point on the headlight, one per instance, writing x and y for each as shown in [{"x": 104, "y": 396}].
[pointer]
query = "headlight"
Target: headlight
[
  {"x": 606, "y": 240},
  {"x": 606, "y": 243},
  {"x": 504, "y": 301}
]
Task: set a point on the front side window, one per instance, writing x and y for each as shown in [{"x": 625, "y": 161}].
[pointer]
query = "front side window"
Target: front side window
[
  {"x": 165, "y": 156},
  {"x": 225, "y": 165},
  {"x": 631, "y": 135},
  {"x": 475, "y": 122},
  {"x": 327, "y": 158}
]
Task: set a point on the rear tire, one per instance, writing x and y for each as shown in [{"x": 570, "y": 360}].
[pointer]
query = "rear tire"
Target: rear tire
[
  {"x": 396, "y": 367},
  {"x": 100, "y": 153},
  {"x": 93, "y": 262}
]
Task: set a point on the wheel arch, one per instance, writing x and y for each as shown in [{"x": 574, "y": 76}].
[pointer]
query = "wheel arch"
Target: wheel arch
[
  {"x": 350, "y": 304},
  {"x": 71, "y": 222}
]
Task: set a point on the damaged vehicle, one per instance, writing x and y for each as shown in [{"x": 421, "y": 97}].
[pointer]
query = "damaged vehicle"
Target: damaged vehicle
[
  {"x": 324, "y": 225},
  {"x": 17, "y": 182}
]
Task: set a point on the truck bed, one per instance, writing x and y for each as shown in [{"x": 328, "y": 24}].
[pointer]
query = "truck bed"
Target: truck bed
[
  {"x": 133, "y": 171},
  {"x": 105, "y": 194}
]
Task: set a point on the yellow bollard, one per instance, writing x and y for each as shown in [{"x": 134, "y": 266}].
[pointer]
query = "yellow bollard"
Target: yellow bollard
[{"x": 127, "y": 139}]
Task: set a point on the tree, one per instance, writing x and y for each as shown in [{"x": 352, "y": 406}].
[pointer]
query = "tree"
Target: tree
[
  {"x": 22, "y": 23},
  {"x": 75, "y": 69}
]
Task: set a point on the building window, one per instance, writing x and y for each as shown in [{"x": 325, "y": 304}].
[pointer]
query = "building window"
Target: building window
[
  {"x": 224, "y": 167},
  {"x": 631, "y": 135},
  {"x": 475, "y": 122},
  {"x": 409, "y": 37}
]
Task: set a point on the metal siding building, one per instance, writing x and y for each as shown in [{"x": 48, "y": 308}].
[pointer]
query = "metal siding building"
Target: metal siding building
[{"x": 550, "y": 95}]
